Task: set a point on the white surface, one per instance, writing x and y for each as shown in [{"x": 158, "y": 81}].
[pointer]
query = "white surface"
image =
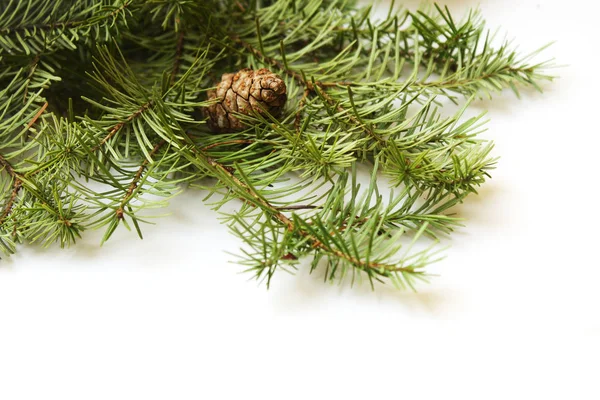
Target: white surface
[{"x": 513, "y": 315}]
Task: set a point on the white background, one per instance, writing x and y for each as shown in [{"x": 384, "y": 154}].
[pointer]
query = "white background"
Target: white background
[{"x": 513, "y": 314}]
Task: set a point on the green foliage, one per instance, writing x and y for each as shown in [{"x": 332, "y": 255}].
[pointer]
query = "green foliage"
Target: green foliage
[{"x": 100, "y": 122}]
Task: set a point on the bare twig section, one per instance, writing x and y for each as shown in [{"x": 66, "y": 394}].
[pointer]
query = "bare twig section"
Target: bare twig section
[
  {"x": 299, "y": 207},
  {"x": 301, "y": 105},
  {"x": 178, "y": 55},
  {"x": 335, "y": 84},
  {"x": 240, "y": 6},
  {"x": 37, "y": 115},
  {"x": 120, "y": 125},
  {"x": 32, "y": 68},
  {"x": 136, "y": 180},
  {"x": 17, "y": 177},
  {"x": 7, "y": 209},
  {"x": 228, "y": 142},
  {"x": 17, "y": 185}
]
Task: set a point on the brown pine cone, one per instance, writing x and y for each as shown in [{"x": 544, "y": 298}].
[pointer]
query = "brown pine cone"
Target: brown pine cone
[{"x": 245, "y": 92}]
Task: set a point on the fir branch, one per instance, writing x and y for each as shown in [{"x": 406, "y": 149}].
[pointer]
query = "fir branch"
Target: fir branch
[
  {"x": 310, "y": 87},
  {"x": 17, "y": 185},
  {"x": 35, "y": 27},
  {"x": 271, "y": 62},
  {"x": 31, "y": 26},
  {"x": 135, "y": 181},
  {"x": 178, "y": 55},
  {"x": 37, "y": 115},
  {"x": 247, "y": 191},
  {"x": 16, "y": 177},
  {"x": 227, "y": 142},
  {"x": 116, "y": 128}
]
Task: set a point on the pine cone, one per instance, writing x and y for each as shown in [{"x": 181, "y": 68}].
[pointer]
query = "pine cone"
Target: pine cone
[{"x": 245, "y": 92}]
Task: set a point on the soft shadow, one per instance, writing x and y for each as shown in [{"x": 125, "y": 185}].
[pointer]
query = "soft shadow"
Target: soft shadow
[
  {"x": 306, "y": 292},
  {"x": 477, "y": 207}
]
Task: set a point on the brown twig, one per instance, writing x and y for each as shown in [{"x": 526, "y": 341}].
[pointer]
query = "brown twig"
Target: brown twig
[
  {"x": 240, "y": 6},
  {"x": 178, "y": 54},
  {"x": 301, "y": 106},
  {"x": 334, "y": 84},
  {"x": 135, "y": 181},
  {"x": 37, "y": 115},
  {"x": 7, "y": 209},
  {"x": 228, "y": 142},
  {"x": 17, "y": 177},
  {"x": 118, "y": 126},
  {"x": 17, "y": 185},
  {"x": 299, "y": 207}
]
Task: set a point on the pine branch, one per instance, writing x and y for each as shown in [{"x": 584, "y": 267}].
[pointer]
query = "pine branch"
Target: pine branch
[
  {"x": 236, "y": 185},
  {"x": 135, "y": 181},
  {"x": 15, "y": 176},
  {"x": 310, "y": 87},
  {"x": 178, "y": 55},
  {"x": 35, "y": 27},
  {"x": 17, "y": 185},
  {"x": 115, "y": 129}
]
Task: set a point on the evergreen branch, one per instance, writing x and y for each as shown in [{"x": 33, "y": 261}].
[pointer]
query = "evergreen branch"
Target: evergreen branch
[
  {"x": 35, "y": 27},
  {"x": 178, "y": 55},
  {"x": 16, "y": 177},
  {"x": 61, "y": 24},
  {"x": 37, "y": 115},
  {"x": 238, "y": 186},
  {"x": 353, "y": 118},
  {"x": 309, "y": 86},
  {"x": 17, "y": 185},
  {"x": 227, "y": 142},
  {"x": 301, "y": 105},
  {"x": 272, "y": 62},
  {"x": 134, "y": 182},
  {"x": 115, "y": 129},
  {"x": 6, "y": 210}
]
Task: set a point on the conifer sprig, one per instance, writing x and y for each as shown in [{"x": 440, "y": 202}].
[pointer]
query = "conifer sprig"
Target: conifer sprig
[{"x": 100, "y": 122}]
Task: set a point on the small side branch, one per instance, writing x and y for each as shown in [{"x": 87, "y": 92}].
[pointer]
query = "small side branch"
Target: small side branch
[
  {"x": 17, "y": 185},
  {"x": 37, "y": 115},
  {"x": 178, "y": 55},
  {"x": 271, "y": 61},
  {"x": 354, "y": 119},
  {"x": 7, "y": 209},
  {"x": 120, "y": 125},
  {"x": 135, "y": 181},
  {"x": 301, "y": 105},
  {"x": 227, "y": 142},
  {"x": 17, "y": 177},
  {"x": 309, "y": 87},
  {"x": 277, "y": 215},
  {"x": 62, "y": 25}
]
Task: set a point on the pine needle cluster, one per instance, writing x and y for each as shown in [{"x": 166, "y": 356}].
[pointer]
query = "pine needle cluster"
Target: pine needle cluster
[{"x": 100, "y": 122}]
